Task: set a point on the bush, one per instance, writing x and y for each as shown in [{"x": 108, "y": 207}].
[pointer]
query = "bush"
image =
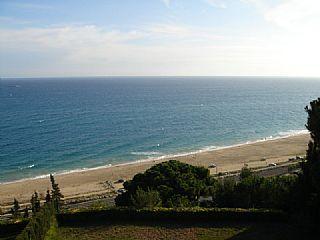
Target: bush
[
  {"x": 39, "y": 224},
  {"x": 170, "y": 179},
  {"x": 188, "y": 215},
  {"x": 146, "y": 199}
]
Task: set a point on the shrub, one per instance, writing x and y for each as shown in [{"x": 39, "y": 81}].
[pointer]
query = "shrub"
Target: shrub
[
  {"x": 15, "y": 209},
  {"x": 39, "y": 224},
  {"x": 146, "y": 199},
  {"x": 170, "y": 179}
]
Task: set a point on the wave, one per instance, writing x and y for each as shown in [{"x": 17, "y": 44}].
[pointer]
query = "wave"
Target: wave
[
  {"x": 293, "y": 132},
  {"x": 146, "y": 153},
  {"x": 27, "y": 167},
  {"x": 279, "y": 135}
]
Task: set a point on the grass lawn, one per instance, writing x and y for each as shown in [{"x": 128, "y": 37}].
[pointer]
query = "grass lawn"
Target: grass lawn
[{"x": 179, "y": 231}]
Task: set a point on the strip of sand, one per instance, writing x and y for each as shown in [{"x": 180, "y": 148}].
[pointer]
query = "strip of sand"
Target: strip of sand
[{"x": 257, "y": 154}]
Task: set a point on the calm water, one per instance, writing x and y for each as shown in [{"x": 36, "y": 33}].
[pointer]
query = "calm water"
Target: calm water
[{"x": 56, "y": 125}]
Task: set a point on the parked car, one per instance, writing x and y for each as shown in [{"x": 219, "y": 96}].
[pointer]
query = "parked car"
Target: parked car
[{"x": 212, "y": 165}]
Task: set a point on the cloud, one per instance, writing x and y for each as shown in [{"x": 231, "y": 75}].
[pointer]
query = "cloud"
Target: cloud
[
  {"x": 154, "y": 49},
  {"x": 166, "y": 2},
  {"x": 89, "y": 50},
  {"x": 289, "y": 14}
]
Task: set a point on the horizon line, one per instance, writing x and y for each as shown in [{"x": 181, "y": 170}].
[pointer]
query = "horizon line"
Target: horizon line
[{"x": 160, "y": 76}]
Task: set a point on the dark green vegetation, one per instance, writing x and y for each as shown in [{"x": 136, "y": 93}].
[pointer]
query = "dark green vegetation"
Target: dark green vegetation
[
  {"x": 309, "y": 182},
  {"x": 43, "y": 220},
  {"x": 43, "y": 223},
  {"x": 9, "y": 231},
  {"x": 176, "y": 184},
  {"x": 39, "y": 224},
  {"x": 176, "y": 231},
  {"x": 176, "y": 223},
  {"x": 56, "y": 195}
]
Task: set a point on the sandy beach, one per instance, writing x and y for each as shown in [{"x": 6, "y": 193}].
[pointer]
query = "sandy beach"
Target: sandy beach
[{"x": 227, "y": 159}]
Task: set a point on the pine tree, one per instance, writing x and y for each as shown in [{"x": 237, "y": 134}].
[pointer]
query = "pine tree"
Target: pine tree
[
  {"x": 15, "y": 209},
  {"x": 56, "y": 194},
  {"x": 48, "y": 197},
  {"x": 311, "y": 167},
  {"x": 26, "y": 213},
  {"x": 35, "y": 203}
]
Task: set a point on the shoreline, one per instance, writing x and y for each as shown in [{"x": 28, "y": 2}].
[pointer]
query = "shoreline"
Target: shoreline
[
  {"x": 229, "y": 158},
  {"x": 167, "y": 156}
]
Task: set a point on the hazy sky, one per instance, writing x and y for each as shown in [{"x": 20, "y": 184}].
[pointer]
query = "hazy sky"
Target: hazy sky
[{"x": 159, "y": 37}]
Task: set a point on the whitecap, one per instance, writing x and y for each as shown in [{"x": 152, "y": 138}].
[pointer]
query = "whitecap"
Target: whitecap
[
  {"x": 26, "y": 167},
  {"x": 146, "y": 153}
]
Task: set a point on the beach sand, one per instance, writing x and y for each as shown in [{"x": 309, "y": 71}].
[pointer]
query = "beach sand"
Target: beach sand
[{"x": 227, "y": 159}]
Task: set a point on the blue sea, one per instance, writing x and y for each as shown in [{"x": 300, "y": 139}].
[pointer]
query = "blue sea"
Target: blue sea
[{"x": 57, "y": 125}]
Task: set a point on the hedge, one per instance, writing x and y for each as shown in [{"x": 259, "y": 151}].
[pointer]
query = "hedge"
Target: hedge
[
  {"x": 12, "y": 229},
  {"x": 170, "y": 214},
  {"x": 39, "y": 224}
]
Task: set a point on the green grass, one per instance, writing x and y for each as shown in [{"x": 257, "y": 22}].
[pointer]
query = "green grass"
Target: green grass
[
  {"x": 179, "y": 231},
  {"x": 53, "y": 232}
]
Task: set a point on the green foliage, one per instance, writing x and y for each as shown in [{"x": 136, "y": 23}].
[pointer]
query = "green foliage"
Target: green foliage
[
  {"x": 256, "y": 192},
  {"x": 39, "y": 224},
  {"x": 52, "y": 233},
  {"x": 15, "y": 209},
  {"x": 172, "y": 180},
  {"x": 248, "y": 192},
  {"x": 224, "y": 194},
  {"x": 35, "y": 203},
  {"x": 189, "y": 214},
  {"x": 309, "y": 184},
  {"x": 26, "y": 213},
  {"x": 146, "y": 199},
  {"x": 56, "y": 195},
  {"x": 10, "y": 230},
  {"x": 245, "y": 172},
  {"x": 48, "y": 197}
]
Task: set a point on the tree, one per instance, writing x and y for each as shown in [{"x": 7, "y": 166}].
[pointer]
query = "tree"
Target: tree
[
  {"x": 35, "y": 203},
  {"x": 56, "y": 195},
  {"x": 170, "y": 179},
  {"x": 48, "y": 197},
  {"x": 146, "y": 199},
  {"x": 26, "y": 213},
  {"x": 310, "y": 178},
  {"x": 245, "y": 172},
  {"x": 15, "y": 209}
]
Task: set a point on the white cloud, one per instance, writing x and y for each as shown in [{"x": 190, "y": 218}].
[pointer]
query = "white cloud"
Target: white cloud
[
  {"x": 167, "y": 3},
  {"x": 289, "y": 14},
  {"x": 294, "y": 13},
  {"x": 155, "y": 49}
]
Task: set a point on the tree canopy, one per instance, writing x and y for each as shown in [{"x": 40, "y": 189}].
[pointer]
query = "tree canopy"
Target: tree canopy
[{"x": 175, "y": 182}]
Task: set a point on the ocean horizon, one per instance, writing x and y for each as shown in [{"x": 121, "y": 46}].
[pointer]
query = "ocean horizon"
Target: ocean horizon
[{"x": 60, "y": 125}]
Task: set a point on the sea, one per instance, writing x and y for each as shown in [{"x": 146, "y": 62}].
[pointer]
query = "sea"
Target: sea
[{"x": 61, "y": 125}]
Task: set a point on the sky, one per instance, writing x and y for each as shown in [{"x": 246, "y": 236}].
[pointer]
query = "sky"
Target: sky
[{"x": 159, "y": 38}]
